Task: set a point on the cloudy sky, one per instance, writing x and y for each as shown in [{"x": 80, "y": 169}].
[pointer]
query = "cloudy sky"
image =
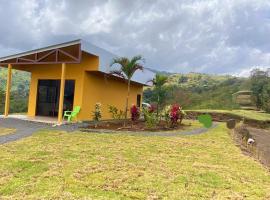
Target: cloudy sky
[{"x": 212, "y": 36}]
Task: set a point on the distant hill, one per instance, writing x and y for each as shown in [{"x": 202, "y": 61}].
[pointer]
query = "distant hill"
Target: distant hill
[
  {"x": 202, "y": 91},
  {"x": 19, "y": 90}
]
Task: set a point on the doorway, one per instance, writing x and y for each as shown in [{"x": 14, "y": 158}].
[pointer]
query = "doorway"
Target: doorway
[{"x": 48, "y": 97}]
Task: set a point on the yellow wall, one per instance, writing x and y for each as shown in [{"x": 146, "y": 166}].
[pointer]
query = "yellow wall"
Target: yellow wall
[
  {"x": 90, "y": 86},
  {"x": 106, "y": 91}
]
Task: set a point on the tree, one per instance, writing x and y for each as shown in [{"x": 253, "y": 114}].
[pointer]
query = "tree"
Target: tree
[
  {"x": 127, "y": 69},
  {"x": 259, "y": 80},
  {"x": 159, "y": 91},
  {"x": 266, "y": 97}
]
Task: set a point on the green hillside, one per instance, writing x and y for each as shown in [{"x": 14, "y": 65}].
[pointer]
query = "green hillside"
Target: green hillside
[
  {"x": 202, "y": 91},
  {"x": 19, "y": 90}
]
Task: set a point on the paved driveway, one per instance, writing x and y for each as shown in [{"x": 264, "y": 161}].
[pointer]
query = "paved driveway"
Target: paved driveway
[{"x": 27, "y": 128}]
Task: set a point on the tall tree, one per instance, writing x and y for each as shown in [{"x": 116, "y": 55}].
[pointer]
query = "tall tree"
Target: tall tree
[
  {"x": 259, "y": 80},
  {"x": 159, "y": 91},
  {"x": 127, "y": 69}
]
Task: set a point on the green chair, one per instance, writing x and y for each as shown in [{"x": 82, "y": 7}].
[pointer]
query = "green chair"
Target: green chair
[{"x": 72, "y": 114}]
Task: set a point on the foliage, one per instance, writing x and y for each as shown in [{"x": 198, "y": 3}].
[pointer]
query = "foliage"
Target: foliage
[
  {"x": 200, "y": 91},
  {"x": 97, "y": 113},
  {"x": 260, "y": 86},
  {"x": 152, "y": 108},
  {"x": 116, "y": 113},
  {"x": 265, "y": 96},
  {"x": 19, "y": 91},
  {"x": 127, "y": 69},
  {"x": 135, "y": 113},
  {"x": 166, "y": 115},
  {"x": 159, "y": 92},
  {"x": 150, "y": 117},
  {"x": 175, "y": 114}
]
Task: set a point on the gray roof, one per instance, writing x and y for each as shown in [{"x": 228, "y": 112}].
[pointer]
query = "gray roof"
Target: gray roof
[{"x": 105, "y": 58}]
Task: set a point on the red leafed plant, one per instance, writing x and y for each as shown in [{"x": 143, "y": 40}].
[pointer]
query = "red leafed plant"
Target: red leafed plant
[
  {"x": 152, "y": 108},
  {"x": 135, "y": 113},
  {"x": 175, "y": 114}
]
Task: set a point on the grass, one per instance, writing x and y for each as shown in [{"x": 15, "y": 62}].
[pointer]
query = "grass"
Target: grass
[
  {"x": 5, "y": 131},
  {"x": 246, "y": 113},
  {"x": 60, "y": 165}
]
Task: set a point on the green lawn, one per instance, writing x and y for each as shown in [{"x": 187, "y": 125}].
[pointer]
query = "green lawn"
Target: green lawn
[
  {"x": 246, "y": 113},
  {"x": 60, "y": 165}
]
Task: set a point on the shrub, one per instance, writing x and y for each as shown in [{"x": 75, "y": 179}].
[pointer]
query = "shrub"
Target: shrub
[
  {"x": 173, "y": 114},
  {"x": 152, "y": 108},
  {"x": 150, "y": 117},
  {"x": 115, "y": 113},
  {"x": 135, "y": 113},
  {"x": 166, "y": 115},
  {"x": 97, "y": 113}
]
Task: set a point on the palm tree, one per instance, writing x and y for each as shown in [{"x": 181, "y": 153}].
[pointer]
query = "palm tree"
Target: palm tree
[
  {"x": 158, "y": 83},
  {"x": 127, "y": 69}
]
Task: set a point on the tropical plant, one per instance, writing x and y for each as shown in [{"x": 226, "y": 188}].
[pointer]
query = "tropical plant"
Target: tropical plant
[
  {"x": 150, "y": 118},
  {"x": 135, "y": 113},
  {"x": 97, "y": 113},
  {"x": 175, "y": 114},
  {"x": 159, "y": 90},
  {"x": 127, "y": 69},
  {"x": 166, "y": 115},
  {"x": 115, "y": 112}
]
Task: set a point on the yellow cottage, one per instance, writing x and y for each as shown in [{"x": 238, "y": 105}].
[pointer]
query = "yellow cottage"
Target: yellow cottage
[{"x": 70, "y": 74}]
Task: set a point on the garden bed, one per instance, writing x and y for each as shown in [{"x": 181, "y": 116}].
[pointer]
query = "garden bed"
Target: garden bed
[{"x": 118, "y": 125}]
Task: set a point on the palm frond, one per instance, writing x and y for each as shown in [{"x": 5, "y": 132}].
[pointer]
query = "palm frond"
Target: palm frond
[
  {"x": 121, "y": 61},
  {"x": 117, "y": 73}
]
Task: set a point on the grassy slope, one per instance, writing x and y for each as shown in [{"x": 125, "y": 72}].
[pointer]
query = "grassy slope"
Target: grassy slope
[
  {"x": 243, "y": 113},
  {"x": 102, "y": 166}
]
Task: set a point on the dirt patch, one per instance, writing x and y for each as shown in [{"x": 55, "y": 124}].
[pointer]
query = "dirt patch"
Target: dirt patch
[
  {"x": 224, "y": 117},
  {"x": 136, "y": 126},
  {"x": 260, "y": 150}
]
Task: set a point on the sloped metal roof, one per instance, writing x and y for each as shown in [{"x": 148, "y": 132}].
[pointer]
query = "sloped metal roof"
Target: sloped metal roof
[{"x": 105, "y": 58}]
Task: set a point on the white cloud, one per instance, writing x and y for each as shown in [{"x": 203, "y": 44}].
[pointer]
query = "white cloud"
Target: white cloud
[{"x": 206, "y": 36}]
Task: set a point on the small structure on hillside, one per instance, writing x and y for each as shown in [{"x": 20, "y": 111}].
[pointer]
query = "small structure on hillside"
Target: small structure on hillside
[{"x": 244, "y": 99}]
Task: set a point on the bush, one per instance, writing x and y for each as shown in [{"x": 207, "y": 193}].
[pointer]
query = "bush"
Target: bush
[
  {"x": 135, "y": 113},
  {"x": 115, "y": 113},
  {"x": 166, "y": 115},
  {"x": 150, "y": 117},
  {"x": 97, "y": 113},
  {"x": 173, "y": 114}
]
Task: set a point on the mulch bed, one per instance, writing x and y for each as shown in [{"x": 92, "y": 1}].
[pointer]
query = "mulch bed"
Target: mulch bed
[{"x": 135, "y": 126}]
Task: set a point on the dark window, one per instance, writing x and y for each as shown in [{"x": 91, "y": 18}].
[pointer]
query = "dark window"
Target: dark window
[
  {"x": 139, "y": 100},
  {"x": 48, "y": 97}
]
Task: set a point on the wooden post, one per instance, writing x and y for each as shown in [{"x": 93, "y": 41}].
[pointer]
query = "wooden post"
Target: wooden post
[
  {"x": 62, "y": 93},
  {"x": 9, "y": 77}
]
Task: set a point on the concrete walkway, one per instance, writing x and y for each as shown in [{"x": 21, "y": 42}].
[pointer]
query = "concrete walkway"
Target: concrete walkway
[{"x": 27, "y": 128}]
